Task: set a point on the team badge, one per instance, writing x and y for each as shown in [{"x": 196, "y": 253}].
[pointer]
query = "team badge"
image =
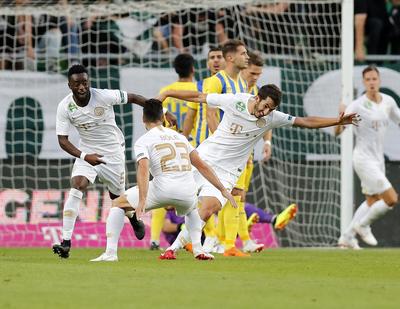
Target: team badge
[
  {"x": 240, "y": 106},
  {"x": 261, "y": 122},
  {"x": 368, "y": 104},
  {"x": 72, "y": 106},
  {"x": 99, "y": 111}
]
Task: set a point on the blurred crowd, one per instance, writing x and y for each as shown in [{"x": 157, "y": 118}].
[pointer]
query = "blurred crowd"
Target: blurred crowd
[{"x": 279, "y": 28}]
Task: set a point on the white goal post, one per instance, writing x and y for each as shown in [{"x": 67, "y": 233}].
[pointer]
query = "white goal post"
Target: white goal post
[{"x": 347, "y": 179}]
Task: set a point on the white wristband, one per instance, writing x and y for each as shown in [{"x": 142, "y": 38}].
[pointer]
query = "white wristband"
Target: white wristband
[
  {"x": 267, "y": 142},
  {"x": 83, "y": 155},
  {"x": 165, "y": 110}
]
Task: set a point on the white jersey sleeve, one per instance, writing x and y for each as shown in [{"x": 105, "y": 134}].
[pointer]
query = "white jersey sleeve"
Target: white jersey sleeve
[
  {"x": 190, "y": 147},
  {"x": 394, "y": 112},
  {"x": 220, "y": 100},
  {"x": 280, "y": 119},
  {"x": 141, "y": 149},
  {"x": 114, "y": 97},
  {"x": 63, "y": 123}
]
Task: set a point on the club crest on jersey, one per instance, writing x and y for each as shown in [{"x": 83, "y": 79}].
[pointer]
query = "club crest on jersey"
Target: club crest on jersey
[
  {"x": 72, "y": 106},
  {"x": 368, "y": 104},
  {"x": 240, "y": 106},
  {"x": 261, "y": 122},
  {"x": 99, "y": 111}
]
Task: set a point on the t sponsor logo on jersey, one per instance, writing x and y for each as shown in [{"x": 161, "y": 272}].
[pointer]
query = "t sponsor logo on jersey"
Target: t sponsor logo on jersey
[
  {"x": 240, "y": 106},
  {"x": 72, "y": 106},
  {"x": 99, "y": 111},
  {"x": 289, "y": 117}
]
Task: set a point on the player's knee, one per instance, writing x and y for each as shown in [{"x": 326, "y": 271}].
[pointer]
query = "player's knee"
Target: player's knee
[
  {"x": 123, "y": 203},
  {"x": 392, "y": 199},
  {"x": 81, "y": 186},
  {"x": 117, "y": 202},
  {"x": 79, "y": 183},
  {"x": 206, "y": 212}
]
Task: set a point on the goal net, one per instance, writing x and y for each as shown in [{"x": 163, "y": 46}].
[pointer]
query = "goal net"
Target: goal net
[{"x": 131, "y": 45}]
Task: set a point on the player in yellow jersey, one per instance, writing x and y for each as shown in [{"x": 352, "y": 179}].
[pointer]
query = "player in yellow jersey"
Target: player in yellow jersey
[
  {"x": 196, "y": 117},
  {"x": 184, "y": 67},
  {"x": 196, "y": 122},
  {"x": 228, "y": 80}
]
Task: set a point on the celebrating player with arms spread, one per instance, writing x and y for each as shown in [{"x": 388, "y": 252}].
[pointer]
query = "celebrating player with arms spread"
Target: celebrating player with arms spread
[
  {"x": 102, "y": 146},
  {"x": 246, "y": 119}
]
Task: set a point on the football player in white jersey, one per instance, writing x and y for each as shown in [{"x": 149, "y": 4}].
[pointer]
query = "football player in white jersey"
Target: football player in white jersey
[
  {"x": 246, "y": 119},
  {"x": 376, "y": 110},
  {"x": 168, "y": 156},
  {"x": 101, "y": 149}
]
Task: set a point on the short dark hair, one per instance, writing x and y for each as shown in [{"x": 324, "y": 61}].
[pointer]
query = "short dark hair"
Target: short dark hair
[
  {"x": 76, "y": 69},
  {"x": 183, "y": 65},
  {"x": 153, "y": 110},
  {"x": 271, "y": 91},
  {"x": 369, "y": 69},
  {"x": 231, "y": 46},
  {"x": 214, "y": 49},
  {"x": 255, "y": 59}
]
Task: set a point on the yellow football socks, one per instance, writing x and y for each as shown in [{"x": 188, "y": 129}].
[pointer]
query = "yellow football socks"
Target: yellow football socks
[
  {"x": 243, "y": 230},
  {"x": 221, "y": 226},
  {"x": 157, "y": 222},
  {"x": 209, "y": 228},
  {"x": 231, "y": 220}
]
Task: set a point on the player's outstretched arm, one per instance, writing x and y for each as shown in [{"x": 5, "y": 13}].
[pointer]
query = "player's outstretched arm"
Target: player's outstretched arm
[
  {"x": 192, "y": 96},
  {"x": 66, "y": 145},
  {"x": 209, "y": 174},
  {"x": 267, "y": 149},
  {"x": 339, "y": 129},
  {"x": 136, "y": 99},
  {"x": 142, "y": 177},
  {"x": 323, "y": 122},
  {"x": 140, "y": 100}
]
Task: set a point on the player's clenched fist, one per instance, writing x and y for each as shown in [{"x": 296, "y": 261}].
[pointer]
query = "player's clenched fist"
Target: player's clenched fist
[{"x": 94, "y": 159}]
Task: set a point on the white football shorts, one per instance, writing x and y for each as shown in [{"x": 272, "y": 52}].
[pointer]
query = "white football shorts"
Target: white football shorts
[
  {"x": 372, "y": 176},
  {"x": 159, "y": 198},
  {"x": 207, "y": 189},
  {"x": 111, "y": 174}
]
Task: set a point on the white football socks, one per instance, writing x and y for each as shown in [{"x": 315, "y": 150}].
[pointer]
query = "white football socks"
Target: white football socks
[
  {"x": 377, "y": 210},
  {"x": 194, "y": 226},
  {"x": 114, "y": 226},
  {"x": 184, "y": 236},
  {"x": 181, "y": 240},
  {"x": 361, "y": 211},
  {"x": 70, "y": 213}
]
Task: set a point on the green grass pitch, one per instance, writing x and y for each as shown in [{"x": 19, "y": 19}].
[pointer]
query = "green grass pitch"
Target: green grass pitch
[{"x": 279, "y": 278}]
